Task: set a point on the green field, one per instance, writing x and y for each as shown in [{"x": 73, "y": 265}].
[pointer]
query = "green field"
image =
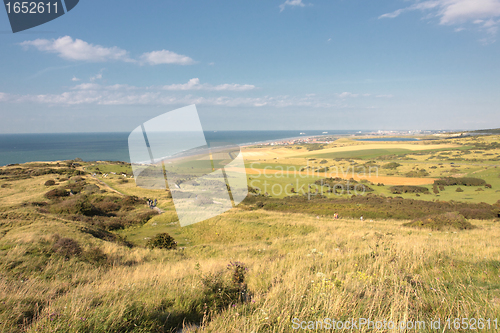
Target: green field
[{"x": 362, "y": 154}]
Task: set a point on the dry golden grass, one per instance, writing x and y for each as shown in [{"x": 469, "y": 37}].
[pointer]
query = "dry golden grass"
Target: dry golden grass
[{"x": 338, "y": 269}]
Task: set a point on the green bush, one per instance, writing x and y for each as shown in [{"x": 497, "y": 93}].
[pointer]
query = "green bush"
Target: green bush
[
  {"x": 132, "y": 201},
  {"x": 145, "y": 216},
  {"x": 400, "y": 189},
  {"x": 56, "y": 193},
  {"x": 338, "y": 184},
  {"x": 221, "y": 291},
  {"x": 79, "y": 205},
  {"x": 459, "y": 189},
  {"x": 465, "y": 181},
  {"x": 50, "y": 182},
  {"x": 417, "y": 173},
  {"x": 391, "y": 165},
  {"x": 162, "y": 241},
  {"x": 107, "y": 206},
  {"x": 76, "y": 187}
]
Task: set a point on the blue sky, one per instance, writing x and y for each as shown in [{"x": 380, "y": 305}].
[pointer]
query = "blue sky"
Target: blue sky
[{"x": 255, "y": 65}]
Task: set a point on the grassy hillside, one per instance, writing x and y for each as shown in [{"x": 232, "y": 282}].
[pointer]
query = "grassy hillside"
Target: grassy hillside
[{"x": 78, "y": 263}]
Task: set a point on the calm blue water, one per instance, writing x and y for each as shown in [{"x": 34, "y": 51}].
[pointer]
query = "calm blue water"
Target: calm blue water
[
  {"x": 388, "y": 139},
  {"x": 21, "y": 148}
]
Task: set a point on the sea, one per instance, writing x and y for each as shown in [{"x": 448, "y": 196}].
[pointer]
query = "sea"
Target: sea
[{"x": 22, "y": 148}]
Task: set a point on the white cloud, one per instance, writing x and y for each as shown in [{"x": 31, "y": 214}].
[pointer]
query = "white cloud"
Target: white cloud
[
  {"x": 194, "y": 84},
  {"x": 77, "y": 49},
  {"x": 347, "y": 94},
  {"x": 393, "y": 14},
  {"x": 75, "y": 79},
  {"x": 96, "y": 77},
  {"x": 459, "y": 11},
  {"x": 426, "y": 5},
  {"x": 95, "y": 86},
  {"x": 87, "y": 86},
  {"x": 454, "y": 12},
  {"x": 165, "y": 57},
  {"x": 292, "y": 3}
]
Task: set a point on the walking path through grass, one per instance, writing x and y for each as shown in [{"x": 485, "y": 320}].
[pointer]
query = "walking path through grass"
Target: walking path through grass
[
  {"x": 158, "y": 210},
  {"x": 112, "y": 189}
]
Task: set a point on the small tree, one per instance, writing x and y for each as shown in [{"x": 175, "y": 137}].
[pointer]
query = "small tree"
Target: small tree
[{"x": 162, "y": 241}]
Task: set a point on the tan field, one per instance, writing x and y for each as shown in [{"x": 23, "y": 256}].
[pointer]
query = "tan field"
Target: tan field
[
  {"x": 281, "y": 152},
  {"x": 374, "y": 179}
]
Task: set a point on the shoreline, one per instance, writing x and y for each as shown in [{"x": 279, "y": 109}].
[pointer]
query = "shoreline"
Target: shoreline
[{"x": 301, "y": 139}]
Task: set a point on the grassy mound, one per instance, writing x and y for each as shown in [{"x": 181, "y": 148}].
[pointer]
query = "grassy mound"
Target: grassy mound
[{"x": 446, "y": 221}]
